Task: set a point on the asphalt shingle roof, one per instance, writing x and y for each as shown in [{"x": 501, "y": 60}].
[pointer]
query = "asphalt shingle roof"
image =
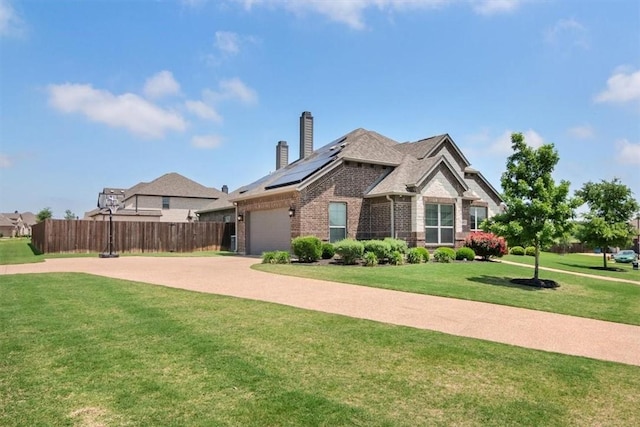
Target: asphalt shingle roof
[
  {"x": 174, "y": 185},
  {"x": 410, "y": 162}
]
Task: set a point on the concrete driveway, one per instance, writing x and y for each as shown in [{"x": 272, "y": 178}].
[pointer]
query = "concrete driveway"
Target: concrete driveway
[{"x": 233, "y": 276}]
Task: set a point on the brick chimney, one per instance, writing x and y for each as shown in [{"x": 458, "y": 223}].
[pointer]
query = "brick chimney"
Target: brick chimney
[
  {"x": 282, "y": 154},
  {"x": 306, "y": 134}
]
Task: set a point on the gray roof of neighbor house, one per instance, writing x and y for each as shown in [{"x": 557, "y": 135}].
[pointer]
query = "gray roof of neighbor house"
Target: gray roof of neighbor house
[
  {"x": 28, "y": 218},
  {"x": 216, "y": 205},
  {"x": 175, "y": 185},
  {"x": 410, "y": 163},
  {"x": 5, "y": 221}
]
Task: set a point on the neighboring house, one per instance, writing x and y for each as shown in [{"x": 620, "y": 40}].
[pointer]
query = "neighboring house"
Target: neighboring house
[
  {"x": 7, "y": 228},
  {"x": 169, "y": 198},
  {"x": 17, "y": 224},
  {"x": 365, "y": 186}
]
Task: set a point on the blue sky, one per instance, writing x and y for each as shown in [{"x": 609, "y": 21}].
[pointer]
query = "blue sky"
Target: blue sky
[{"x": 100, "y": 94}]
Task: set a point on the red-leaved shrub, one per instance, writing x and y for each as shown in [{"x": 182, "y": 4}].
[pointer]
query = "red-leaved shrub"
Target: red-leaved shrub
[{"x": 486, "y": 245}]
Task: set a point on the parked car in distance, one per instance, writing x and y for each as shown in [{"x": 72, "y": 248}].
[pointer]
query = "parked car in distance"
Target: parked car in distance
[{"x": 625, "y": 256}]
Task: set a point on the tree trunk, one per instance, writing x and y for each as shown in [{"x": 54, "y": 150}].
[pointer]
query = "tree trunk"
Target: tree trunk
[
  {"x": 537, "y": 262},
  {"x": 604, "y": 257}
]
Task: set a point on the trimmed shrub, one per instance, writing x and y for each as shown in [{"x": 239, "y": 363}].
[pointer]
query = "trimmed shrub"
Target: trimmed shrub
[
  {"x": 328, "y": 251},
  {"x": 349, "y": 250},
  {"x": 424, "y": 252},
  {"x": 530, "y": 251},
  {"x": 465, "y": 254},
  {"x": 414, "y": 256},
  {"x": 397, "y": 245},
  {"x": 444, "y": 255},
  {"x": 269, "y": 257},
  {"x": 370, "y": 259},
  {"x": 276, "y": 257},
  {"x": 307, "y": 248},
  {"x": 486, "y": 245},
  {"x": 396, "y": 258},
  {"x": 381, "y": 248},
  {"x": 517, "y": 250}
]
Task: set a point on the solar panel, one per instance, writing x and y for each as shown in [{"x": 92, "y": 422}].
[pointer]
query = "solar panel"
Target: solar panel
[{"x": 304, "y": 168}]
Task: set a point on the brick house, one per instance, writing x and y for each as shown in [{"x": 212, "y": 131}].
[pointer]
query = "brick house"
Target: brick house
[
  {"x": 365, "y": 186},
  {"x": 168, "y": 198}
]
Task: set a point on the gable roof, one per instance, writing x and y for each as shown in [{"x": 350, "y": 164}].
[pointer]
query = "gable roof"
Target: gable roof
[
  {"x": 411, "y": 163},
  {"x": 428, "y": 147},
  {"x": 28, "y": 218},
  {"x": 404, "y": 179},
  {"x": 175, "y": 185}
]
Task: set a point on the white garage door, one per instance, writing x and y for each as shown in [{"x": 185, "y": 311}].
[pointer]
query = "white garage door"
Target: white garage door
[{"x": 269, "y": 231}]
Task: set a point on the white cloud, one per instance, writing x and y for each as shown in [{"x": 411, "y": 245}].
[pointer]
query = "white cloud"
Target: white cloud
[
  {"x": 351, "y": 12},
  {"x": 567, "y": 32},
  {"x": 232, "y": 89},
  {"x": 10, "y": 22},
  {"x": 128, "y": 110},
  {"x": 227, "y": 42},
  {"x": 622, "y": 87},
  {"x": 502, "y": 144},
  {"x": 493, "y": 7},
  {"x": 582, "y": 132},
  {"x": 206, "y": 141},
  {"x": 5, "y": 161},
  {"x": 161, "y": 84},
  {"x": 203, "y": 111},
  {"x": 628, "y": 153}
]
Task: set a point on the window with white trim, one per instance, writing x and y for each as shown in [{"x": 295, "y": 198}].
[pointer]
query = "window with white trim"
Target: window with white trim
[
  {"x": 477, "y": 214},
  {"x": 337, "y": 221},
  {"x": 165, "y": 202},
  {"x": 438, "y": 223}
]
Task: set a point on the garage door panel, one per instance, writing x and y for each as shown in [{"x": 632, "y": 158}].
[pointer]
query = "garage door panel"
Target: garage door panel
[{"x": 269, "y": 231}]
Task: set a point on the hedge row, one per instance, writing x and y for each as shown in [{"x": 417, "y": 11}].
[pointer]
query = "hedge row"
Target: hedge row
[{"x": 390, "y": 251}]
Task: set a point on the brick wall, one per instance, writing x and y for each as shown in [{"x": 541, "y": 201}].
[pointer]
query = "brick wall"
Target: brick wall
[
  {"x": 347, "y": 183},
  {"x": 276, "y": 201}
]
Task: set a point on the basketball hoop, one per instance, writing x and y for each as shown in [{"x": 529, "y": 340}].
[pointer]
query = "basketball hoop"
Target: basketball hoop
[{"x": 111, "y": 202}]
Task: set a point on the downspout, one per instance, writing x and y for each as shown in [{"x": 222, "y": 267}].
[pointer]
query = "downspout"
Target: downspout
[
  {"x": 393, "y": 225},
  {"x": 235, "y": 205}
]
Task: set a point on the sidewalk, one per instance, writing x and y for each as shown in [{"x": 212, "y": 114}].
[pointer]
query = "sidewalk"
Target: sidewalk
[
  {"x": 233, "y": 276},
  {"x": 592, "y": 276}
]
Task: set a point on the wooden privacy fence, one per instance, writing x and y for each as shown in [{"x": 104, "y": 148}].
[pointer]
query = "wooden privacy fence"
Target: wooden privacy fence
[{"x": 74, "y": 236}]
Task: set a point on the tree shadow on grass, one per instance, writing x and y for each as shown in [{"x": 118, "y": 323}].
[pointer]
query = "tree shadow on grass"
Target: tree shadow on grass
[
  {"x": 506, "y": 282},
  {"x": 34, "y": 249},
  {"x": 590, "y": 267}
]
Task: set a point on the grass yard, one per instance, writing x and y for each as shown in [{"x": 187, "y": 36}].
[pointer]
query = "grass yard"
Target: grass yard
[
  {"x": 488, "y": 282},
  {"x": 19, "y": 251},
  {"x": 84, "y": 350},
  {"x": 580, "y": 263}
]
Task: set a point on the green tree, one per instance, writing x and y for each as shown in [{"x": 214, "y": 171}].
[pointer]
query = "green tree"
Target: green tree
[
  {"x": 44, "y": 214},
  {"x": 607, "y": 223},
  {"x": 68, "y": 215},
  {"x": 537, "y": 210}
]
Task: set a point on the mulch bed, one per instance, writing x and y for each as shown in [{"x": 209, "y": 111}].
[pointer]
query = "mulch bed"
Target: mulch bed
[{"x": 536, "y": 283}]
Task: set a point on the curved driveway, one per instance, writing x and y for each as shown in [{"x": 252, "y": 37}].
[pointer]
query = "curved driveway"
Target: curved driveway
[{"x": 233, "y": 276}]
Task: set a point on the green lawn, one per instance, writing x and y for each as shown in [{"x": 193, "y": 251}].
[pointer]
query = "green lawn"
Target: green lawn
[
  {"x": 20, "y": 251},
  {"x": 84, "y": 350},
  {"x": 488, "y": 282},
  {"x": 580, "y": 263}
]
